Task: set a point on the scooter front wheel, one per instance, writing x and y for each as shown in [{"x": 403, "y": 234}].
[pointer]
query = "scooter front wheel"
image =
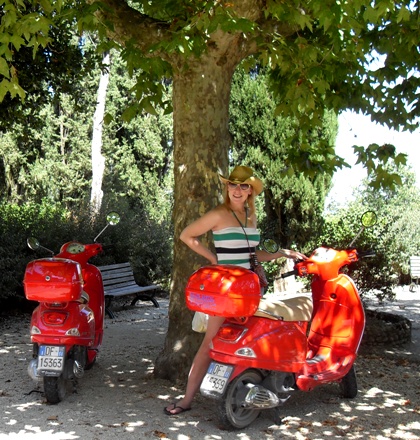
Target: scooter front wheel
[
  {"x": 54, "y": 389},
  {"x": 232, "y": 413},
  {"x": 348, "y": 384}
]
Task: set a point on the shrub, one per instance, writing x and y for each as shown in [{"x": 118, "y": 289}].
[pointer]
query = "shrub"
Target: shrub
[{"x": 145, "y": 243}]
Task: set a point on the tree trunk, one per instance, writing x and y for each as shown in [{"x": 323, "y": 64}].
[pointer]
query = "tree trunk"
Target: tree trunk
[
  {"x": 98, "y": 160},
  {"x": 201, "y": 143}
]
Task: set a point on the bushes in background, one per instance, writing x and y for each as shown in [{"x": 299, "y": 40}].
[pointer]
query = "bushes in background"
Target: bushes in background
[{"x": 147, "y": 244}]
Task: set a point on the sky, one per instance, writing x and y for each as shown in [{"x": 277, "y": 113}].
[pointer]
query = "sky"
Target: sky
[{"x": 359, "y": 129}]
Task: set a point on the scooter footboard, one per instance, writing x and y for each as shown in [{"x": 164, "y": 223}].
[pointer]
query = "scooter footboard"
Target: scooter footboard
[{"x": 320, "y": 371}]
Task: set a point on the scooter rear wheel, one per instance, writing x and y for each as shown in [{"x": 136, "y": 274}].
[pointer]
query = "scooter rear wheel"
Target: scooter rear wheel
[
  {"x": 231, "y": 412},
  {"x": 54, "y": 389},
  {"x": 348, "y": 384}
]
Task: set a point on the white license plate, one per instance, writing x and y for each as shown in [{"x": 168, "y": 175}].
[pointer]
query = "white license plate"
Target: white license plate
[
  {"x": 51, "y": 358},
  {"x": 216, "y": 379}
]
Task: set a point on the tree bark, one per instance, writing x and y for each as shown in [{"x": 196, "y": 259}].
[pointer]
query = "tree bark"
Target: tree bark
[
  {"x": 201, "y": 142},
  {"x": 201, "y": 96},
  {"x": 98, "y": 160}
]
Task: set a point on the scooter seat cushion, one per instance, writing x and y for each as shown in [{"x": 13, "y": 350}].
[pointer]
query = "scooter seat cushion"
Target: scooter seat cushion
[{"x": 297, "y": 308}]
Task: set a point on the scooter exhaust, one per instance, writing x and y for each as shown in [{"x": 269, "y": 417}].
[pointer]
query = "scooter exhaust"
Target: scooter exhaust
[
  {"x": 259, "y": 397},
  {"x": 33, "y": 370},
  {"x": 78, "y": 370}
]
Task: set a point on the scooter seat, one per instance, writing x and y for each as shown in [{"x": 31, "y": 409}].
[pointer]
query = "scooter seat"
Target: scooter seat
[{"x": 276, "y": 307}]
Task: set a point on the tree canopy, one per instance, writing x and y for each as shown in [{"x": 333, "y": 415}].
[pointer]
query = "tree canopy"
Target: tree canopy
[{"x": 359, "y": 55}]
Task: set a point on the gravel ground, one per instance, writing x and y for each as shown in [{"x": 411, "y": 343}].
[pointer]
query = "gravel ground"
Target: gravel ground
[{"x": 119, "y": 397}]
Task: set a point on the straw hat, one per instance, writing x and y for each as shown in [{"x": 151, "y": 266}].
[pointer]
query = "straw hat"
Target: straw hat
[{"x": 243, "y": 174}]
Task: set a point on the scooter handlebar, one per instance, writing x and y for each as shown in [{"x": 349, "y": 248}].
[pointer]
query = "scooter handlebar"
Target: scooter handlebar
[
  {"x": 288, "y": 274},
  {"x": 366, "y": 254}
]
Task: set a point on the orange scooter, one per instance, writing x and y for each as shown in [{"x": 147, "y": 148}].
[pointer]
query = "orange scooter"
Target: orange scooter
[{"x": 271, "y": 346}]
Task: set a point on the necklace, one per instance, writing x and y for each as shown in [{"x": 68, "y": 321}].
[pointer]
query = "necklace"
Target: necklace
[{"x": 241, "y": 213}]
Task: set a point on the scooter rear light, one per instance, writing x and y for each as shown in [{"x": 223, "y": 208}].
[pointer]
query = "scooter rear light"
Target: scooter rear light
[
  {"x": 35, "y": 330},
  {"x": 54, "y": 317},
  {"x": 246, "y": 352},
  {"x": 73, "y": 332},
  {"x": 231, "y": 333}
]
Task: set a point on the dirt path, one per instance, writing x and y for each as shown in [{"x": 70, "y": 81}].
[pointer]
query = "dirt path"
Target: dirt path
[{"x": 118, "y": 398}]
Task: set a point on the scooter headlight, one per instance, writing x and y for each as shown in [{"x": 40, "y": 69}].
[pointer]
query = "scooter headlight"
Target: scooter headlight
[{"x": 246, "y": 352}]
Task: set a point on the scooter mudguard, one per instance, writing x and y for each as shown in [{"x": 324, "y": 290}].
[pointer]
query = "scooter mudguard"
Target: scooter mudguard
[
  {"x": 335, "y": 334},
  {"x": 262, "y": 344},
  {"x": 94, "y": 287},
  {"x": 73, "y": 324}
]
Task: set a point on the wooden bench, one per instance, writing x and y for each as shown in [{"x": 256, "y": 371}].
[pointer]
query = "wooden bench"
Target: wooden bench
[
  {"x": 118, "y": 280},
  {"x": 414, "y": 272}
]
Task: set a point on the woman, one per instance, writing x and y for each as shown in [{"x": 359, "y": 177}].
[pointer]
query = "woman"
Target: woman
[{"x": 234, "y": 227}]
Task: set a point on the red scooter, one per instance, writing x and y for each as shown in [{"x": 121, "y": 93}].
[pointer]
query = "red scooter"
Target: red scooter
[
  {"x": 269, "y": 347},
  {"x": 67, "y": 326}
]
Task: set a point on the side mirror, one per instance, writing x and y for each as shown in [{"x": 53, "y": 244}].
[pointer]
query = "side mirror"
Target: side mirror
[
  {"x": 33, "y": 243},
  {"x": 270, "y": 245},
  {"x": 113, "y": 218},
  {"x": 369, "y": 219}
]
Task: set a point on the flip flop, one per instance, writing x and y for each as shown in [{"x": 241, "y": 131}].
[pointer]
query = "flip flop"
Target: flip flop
[{"x": 175, "y": 406}]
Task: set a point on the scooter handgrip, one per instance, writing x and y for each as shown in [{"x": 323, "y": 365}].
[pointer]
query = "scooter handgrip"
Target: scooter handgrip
[
  {"x": 365, "y": 254},
  {"x": 288, "y": 274}
]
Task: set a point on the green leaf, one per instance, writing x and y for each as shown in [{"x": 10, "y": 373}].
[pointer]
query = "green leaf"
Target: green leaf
[
  {"x": 4, "y": 68},
  {"x": 148, "y": 107}
]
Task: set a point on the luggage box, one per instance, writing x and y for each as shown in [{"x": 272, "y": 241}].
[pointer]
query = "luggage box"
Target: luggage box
[
  {"x": 53, "y": 280},
  {"x": 223, "y": 290}
]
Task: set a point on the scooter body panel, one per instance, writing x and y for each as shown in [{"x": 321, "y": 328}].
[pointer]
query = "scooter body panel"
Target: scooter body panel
[
  {"x": 71, "y": 325},
  {"x": 263, "y": 344},
  {"x": 94, "y": 287},
  {"x": 339, "y": 321}
]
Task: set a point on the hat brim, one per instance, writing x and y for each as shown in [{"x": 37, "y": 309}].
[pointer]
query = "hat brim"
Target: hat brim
[{"x": 255, "y": 182}]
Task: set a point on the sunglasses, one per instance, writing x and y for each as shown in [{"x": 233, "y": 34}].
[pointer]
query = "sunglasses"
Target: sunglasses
[{"x": 243, "y": 186}]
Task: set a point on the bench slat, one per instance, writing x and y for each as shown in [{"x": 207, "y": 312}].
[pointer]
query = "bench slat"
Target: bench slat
[
  {"x": 415, "y": 266},
  {"x": 111, "y": 281},
  {"x": 130, "y": 290},
  {"x": 118, "y": 280},
  {"x": 114, "y": 266}
]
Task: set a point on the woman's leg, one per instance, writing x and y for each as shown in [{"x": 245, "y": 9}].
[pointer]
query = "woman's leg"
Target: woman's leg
[{"x": 199, "y": 366}]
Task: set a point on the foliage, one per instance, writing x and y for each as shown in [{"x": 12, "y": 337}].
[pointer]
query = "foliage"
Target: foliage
[
  {"x": 293, "y": 203},
  {"x": 136, "y": 238},
  {"x": 394, "y": 239},
  {"x": 41, "y": 57},
  {"x": 322, "y": 55},
  {"x": 16, "y": 224}
]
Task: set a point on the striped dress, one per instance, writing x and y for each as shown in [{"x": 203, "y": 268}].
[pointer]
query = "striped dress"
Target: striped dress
[{"x": 232, "y": 247}]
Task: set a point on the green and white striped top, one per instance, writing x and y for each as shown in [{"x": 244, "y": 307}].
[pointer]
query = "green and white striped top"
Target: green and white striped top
[{"x": 232, "y": 247}]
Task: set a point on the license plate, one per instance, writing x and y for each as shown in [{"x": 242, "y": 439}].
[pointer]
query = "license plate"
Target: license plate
[
  {"x": 51, "y": 358},
  {"x": 216, "y": 379}
]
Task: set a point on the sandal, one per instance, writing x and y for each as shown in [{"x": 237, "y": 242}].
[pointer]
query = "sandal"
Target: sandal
[{"x": 175, "y": 407}]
